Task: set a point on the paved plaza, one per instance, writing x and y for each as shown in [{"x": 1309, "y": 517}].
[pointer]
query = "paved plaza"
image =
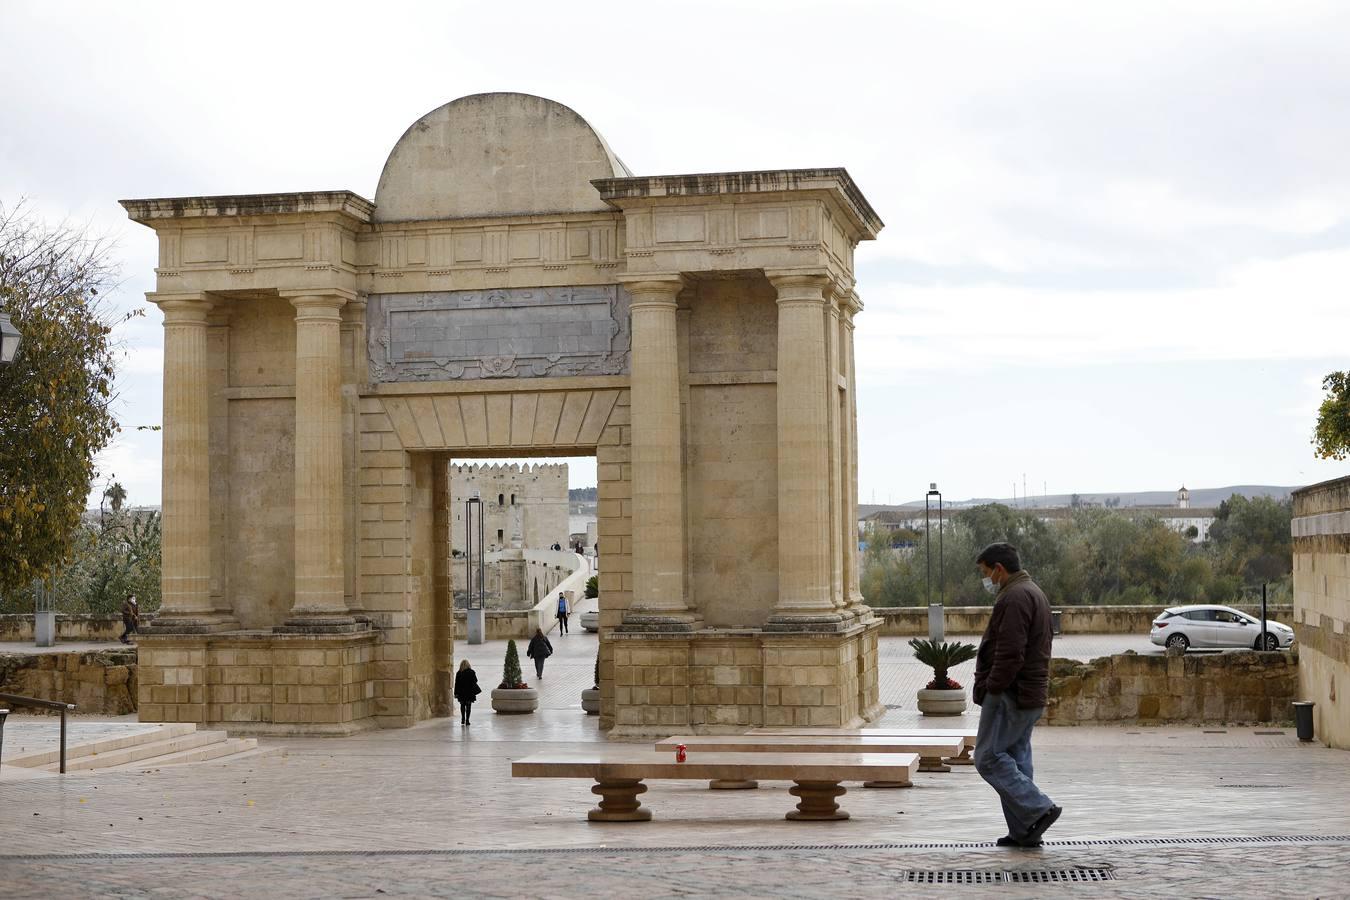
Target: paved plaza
[{"x": 432, "y": 811}]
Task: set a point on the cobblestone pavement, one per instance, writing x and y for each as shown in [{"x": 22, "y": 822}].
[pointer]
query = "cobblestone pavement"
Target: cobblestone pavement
[{"x": 432, "y": 811}]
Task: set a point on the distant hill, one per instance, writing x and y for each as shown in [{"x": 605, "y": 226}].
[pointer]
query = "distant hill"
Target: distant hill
[
  {"x": 581, "y": 494},
  {"x": 1200, "y": 498}
]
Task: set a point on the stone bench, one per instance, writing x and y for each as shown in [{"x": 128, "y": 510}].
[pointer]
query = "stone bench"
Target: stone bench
[
  {"x": 967, "y": 736},
  {"x": 930, "y": 750},
  {"x": 620, "y": 771}
]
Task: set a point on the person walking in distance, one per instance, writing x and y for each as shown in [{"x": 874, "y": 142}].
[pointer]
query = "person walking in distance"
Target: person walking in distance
[
  {"x": 539, "y": 650},
  {"x": 563, "y": 610},
  {"x": 131, "y": 618},
  {"x": 1012, "y": 682},
  {"x": 466, "y": 690}
]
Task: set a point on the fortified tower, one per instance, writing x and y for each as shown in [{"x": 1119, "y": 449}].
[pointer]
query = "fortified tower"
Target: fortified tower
[
  {"x": 512, "y": 290},
  {"x": 534, "y": 496}
]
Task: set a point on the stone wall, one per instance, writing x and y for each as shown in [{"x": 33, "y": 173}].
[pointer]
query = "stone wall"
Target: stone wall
[
  {"x": 1243, "y": 686},
  {"x": 912, "y": 621},
  {"x": 530, "y": 498},
  {"x": 1321, "y": 530},
  {"x": 101, "y": 682},
  {"x": 19, "y": 627}
]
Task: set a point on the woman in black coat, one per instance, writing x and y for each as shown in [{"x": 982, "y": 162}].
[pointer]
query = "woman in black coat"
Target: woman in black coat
[
  {"x": 539, "y": 650},
  {"x": 466, "y": 690}
]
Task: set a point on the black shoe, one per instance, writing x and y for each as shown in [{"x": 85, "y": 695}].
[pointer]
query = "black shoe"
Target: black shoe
[
  {"x": 1007, "y": 841},
  {"x": 1033, "y": 838}
]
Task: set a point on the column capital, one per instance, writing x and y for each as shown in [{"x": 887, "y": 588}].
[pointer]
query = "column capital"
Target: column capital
[
  {"x": 653, "y": 290},
  {"x": 181, "y": 309},
  {"x": 319, "y": 298},
  {"x": 799, "y": 285}
]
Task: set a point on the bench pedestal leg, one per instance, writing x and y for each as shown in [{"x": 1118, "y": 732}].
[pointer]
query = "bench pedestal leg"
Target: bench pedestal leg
[
  {"x": 962, "y": 760},
  {"x": 933, "y": 764},
  {"x": 619, "y": 801},
  {"x": 732, "y": 784},
  {"x": 888, "y": 784},
  {"x": 817, "y": 801}
]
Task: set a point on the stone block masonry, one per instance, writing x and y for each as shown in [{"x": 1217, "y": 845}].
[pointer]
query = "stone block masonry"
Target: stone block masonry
[
  {"x": 1243, "y": 686},
  {"x": 101, "y": 682}
]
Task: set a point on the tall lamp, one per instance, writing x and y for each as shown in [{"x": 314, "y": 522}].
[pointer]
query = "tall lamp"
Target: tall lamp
[{"x": 935, "y": 610}]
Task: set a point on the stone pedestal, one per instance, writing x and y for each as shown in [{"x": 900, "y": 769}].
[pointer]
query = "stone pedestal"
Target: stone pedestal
[
  {"x": 260, "y": 682},
  {"x": 726, "y": 682}
]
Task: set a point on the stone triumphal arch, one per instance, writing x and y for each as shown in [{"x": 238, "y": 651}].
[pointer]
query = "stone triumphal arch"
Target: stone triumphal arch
[{"x": 513, "y": 290}]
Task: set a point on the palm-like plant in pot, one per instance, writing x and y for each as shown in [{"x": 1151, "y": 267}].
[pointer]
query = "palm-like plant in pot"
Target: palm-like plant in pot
[
  {"x": 513, "y": 695},
  {"x": 943, "y": 696}
]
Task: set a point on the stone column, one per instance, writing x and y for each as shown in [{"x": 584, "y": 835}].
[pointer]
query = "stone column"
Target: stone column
[
  {"x": 804, "y": 571},
  {"x": 319, "y": 602},
  {"x": 186, "y": 563},
  {"x": 851, "y": 306},
  {"x": 658, "y": 465}
]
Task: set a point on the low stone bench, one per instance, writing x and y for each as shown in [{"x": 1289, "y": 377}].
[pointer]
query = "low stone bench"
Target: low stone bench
[
  {"x": 620, "y": 771},
  {"x": 930, "y": 750},
  {"x": 967, "y": 736}
]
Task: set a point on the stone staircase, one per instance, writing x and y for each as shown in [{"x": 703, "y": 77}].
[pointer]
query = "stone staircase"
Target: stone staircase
[{"x": 140, "y": 749}]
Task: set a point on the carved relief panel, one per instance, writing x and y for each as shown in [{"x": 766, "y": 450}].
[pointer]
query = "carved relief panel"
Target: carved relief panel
[{"x": 498, "y": 333}]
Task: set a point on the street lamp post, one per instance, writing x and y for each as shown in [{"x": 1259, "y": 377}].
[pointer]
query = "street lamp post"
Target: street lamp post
[
  {"x": 9, "y": 340},
  {"x": 935, "y": 610},
  {"x": 474, "y": 614}
]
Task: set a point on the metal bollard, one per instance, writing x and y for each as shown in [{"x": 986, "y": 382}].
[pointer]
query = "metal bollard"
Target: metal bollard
[{"x": 4, "y": 714}]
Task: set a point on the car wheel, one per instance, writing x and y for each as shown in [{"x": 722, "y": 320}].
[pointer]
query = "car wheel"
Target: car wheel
[
  {"x": 1271, "y": 642},
  {"x": 1178, "y": 640}
]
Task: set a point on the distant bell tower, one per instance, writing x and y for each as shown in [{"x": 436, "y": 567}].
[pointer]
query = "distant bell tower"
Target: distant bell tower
[{"x": 1183, "y": 498}]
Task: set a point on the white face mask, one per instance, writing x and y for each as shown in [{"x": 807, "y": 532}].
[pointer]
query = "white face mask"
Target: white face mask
[{"x": 990, "y": 586}]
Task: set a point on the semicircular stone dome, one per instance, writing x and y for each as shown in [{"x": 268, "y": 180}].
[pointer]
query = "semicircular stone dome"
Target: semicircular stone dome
[{"x": 495, "y": 155}]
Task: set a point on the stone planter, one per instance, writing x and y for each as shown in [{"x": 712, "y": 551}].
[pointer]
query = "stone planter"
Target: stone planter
[
  {"x": 942, "y": 702},
  {"x": 590, "y": 701},
  {"x": 515, "y": 700}
]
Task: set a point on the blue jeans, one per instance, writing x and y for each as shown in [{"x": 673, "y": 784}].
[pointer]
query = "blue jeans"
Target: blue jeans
[{"x": 1003, "y": 758}]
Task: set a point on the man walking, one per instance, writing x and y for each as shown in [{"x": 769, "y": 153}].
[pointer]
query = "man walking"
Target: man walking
[
  {"x": 131, "y": 618},
  {"x": 563, "y": 610},
  {"x": 1012, "y": 682}
]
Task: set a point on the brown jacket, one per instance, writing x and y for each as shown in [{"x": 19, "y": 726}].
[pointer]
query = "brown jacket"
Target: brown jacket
[{"x": 1014, "y": 653}]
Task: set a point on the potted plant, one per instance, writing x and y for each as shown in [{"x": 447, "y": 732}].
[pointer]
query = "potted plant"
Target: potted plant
[
  {"x": 513, "y": 695},
  {"x": 590, "y": 698},
  {"x": 942, "y": 696}
]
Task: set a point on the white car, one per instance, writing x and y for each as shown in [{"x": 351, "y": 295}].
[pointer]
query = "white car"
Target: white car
[{"x": 1217, "y": 626}]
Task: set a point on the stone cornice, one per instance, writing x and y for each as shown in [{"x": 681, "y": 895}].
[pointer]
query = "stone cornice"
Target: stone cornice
[
  {"x": 835, "y": 182},
  {"x": 345, "y": 204}
]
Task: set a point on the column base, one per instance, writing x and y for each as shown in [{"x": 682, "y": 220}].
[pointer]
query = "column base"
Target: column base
[
  {"x": 639, "y": 622},
  {"x": 819, "y": 622},
  {"x": 321, "y": 624},
  {"x": 191, "y": 623}
]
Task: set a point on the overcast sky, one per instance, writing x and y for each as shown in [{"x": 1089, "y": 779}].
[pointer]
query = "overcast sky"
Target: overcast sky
[{"x": 1117, "y": 247}]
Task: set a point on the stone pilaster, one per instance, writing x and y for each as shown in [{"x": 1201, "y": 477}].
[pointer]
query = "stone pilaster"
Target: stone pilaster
[
  {"x": 319, "y": 603},
  {"x": 804, "y": 570},
  {"x": 186, "y": 564},
  {"x": 658, "y": 463}
]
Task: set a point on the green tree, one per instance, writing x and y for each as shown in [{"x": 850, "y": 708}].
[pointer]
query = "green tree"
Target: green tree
[
  {"x": 55, "y": 396},
  {"x": 511, "y": 677},
  {"x": 1331, "y": 434}
]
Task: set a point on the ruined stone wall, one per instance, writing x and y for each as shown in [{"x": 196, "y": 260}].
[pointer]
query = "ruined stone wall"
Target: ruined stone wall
[
  {"x": 1243, "y": 686},
  {"x": 101, "y": 682}
]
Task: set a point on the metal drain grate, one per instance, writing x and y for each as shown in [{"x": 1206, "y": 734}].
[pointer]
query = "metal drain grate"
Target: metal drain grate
[{"x": 1075, "y": 875}]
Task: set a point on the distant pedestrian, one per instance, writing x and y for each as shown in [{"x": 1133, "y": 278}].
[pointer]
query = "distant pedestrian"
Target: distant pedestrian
[
  {"x": 466, "y": 690},
  {"x": 1012, "y": 682},
  {"x": 131, "y": 618},
  {"x": 539, "y": 650},
  {"x": 563, "y": 610}
]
